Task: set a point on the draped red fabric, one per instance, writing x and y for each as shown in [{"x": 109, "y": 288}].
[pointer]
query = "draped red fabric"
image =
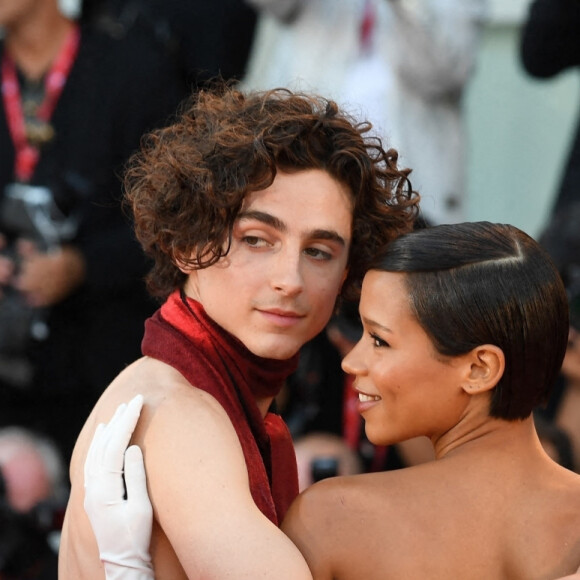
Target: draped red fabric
[{"x": 182, "y": 335}]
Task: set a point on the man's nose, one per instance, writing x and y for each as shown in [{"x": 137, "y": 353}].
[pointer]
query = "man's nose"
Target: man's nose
[{"x": 286, "y": 274}]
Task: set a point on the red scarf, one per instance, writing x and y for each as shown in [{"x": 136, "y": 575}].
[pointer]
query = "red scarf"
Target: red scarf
[{"x": 182, "y": 335}]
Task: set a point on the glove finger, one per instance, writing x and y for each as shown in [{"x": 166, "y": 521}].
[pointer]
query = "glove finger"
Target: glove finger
[
  {"x": 92, "y": 454},
  {"x": 100, "y": 443},
  {"x": 119, "y": 432},
  {"x": 136, "y": 484},
  {"x": 101, "y": 487},
  {"x": 103, "y": 484}
]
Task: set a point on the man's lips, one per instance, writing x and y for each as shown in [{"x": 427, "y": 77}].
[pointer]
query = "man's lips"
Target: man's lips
[{"x": 281, "y": 317}]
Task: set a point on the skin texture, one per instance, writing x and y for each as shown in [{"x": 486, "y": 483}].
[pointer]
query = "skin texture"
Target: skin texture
[
  {"x": 276, "y": 261},
  {"x": 292, "y": 265},
  {"x": 503, "y": 507}
]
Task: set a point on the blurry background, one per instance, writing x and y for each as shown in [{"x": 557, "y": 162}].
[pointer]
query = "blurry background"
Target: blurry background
[{"x": 519, "y": 127}]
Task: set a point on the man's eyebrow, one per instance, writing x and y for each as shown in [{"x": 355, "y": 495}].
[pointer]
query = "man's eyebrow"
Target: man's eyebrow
[
  {"x": 330, "y": 235},
  {"x": 265, "y": 218},
  {"x": 278, "y": 224}
]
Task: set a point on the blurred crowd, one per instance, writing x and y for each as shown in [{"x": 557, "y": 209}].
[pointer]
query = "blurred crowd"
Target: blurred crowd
[{"x": 79, "y": 92}]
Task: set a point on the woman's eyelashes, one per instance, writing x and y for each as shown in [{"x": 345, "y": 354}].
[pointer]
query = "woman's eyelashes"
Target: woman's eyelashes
[{"x": 378, "y": 341}]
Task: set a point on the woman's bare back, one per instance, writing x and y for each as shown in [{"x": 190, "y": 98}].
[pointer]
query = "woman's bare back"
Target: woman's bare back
[{"x": 458, "y": 517}]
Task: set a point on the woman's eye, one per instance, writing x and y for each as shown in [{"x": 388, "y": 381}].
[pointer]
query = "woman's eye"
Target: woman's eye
[{"x": 378, "y": 342}]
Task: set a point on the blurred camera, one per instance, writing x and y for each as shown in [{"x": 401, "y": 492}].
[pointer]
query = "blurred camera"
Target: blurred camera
[
  {"x": 323, "y": 467},
  {"x": 31, "y": 211}
]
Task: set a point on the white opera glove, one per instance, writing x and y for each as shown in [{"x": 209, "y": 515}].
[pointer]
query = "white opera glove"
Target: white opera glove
[{"x": 121, "y": 525}]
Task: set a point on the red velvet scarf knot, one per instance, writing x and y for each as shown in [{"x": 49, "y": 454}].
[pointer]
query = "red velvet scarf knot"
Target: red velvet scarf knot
[{"x": 182, "y": 335}]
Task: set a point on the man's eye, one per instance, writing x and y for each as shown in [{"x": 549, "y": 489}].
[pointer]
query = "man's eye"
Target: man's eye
[
  {"x": 318, "y": 254},
  {"x": 254, "y": 241}
]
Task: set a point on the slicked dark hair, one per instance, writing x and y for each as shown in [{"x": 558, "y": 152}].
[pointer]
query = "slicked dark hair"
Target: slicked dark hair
[{"x": 482, "y": 283}]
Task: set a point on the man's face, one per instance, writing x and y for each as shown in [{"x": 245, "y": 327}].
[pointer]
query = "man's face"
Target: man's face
[{"x": 277, "y": 287}]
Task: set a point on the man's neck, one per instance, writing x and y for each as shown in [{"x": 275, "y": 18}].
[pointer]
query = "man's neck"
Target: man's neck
[
  {"x": 34, "y": 42},
  {"x": 264, "y": 404}
]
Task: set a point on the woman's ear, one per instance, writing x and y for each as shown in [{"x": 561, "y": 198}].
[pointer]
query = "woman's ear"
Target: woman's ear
[{"x": 485, "y": 367}]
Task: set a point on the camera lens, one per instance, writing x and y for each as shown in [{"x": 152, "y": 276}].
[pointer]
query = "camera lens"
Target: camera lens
[{"x": 323, "y": 467}]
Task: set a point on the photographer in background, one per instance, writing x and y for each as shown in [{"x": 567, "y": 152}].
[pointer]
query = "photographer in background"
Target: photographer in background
[
  {"x": 75, "y": 102},
  {"x": 33, "y": 495}
]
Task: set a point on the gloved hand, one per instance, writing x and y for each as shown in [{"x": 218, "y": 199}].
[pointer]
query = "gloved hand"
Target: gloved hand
[{"x": 122, "y": 525}]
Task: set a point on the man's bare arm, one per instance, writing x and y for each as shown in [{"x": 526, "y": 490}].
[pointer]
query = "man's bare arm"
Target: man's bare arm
[{"x": 198, "y": 485}]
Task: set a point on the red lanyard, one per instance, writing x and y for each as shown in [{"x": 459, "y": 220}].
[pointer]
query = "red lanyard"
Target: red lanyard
[
  {"x": 367, "y": 26},
  {"x": 26, "y": 155}
]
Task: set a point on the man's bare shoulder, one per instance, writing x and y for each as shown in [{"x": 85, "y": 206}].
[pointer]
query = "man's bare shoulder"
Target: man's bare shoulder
[
  {"x": 195, "y": 466},
  {"x": 169, "y": 400}
]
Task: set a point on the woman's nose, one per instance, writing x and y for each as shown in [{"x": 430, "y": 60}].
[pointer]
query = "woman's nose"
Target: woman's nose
[{"x": 353, "y": 362}]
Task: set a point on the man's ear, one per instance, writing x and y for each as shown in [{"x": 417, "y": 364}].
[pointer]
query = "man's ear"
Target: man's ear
[
  {"x": 485, "y": 366},
  {"x": 183, "y": 261},
  {"x": 182, "y": 265}
]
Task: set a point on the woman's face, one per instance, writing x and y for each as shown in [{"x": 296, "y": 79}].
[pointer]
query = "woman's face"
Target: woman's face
[{"x": 406, "y": 388}]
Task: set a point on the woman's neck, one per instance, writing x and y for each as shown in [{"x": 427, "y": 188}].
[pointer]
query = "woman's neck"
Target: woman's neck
[
  {"x": 480, "y": 434},
  {"x": 34, "y": 42}
]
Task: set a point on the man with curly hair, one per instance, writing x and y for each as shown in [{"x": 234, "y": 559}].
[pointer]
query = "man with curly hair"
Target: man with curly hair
[{"x": 258, "y": 211}]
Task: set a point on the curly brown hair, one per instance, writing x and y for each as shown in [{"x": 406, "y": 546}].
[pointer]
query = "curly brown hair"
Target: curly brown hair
[{"x": 186, "y": 185}]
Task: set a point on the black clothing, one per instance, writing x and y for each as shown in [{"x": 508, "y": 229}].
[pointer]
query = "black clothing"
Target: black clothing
[
  {"x": 208, "y": 39},
  {"x": 550, "y": 43},
  {"x": 117, "y": 89}
]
